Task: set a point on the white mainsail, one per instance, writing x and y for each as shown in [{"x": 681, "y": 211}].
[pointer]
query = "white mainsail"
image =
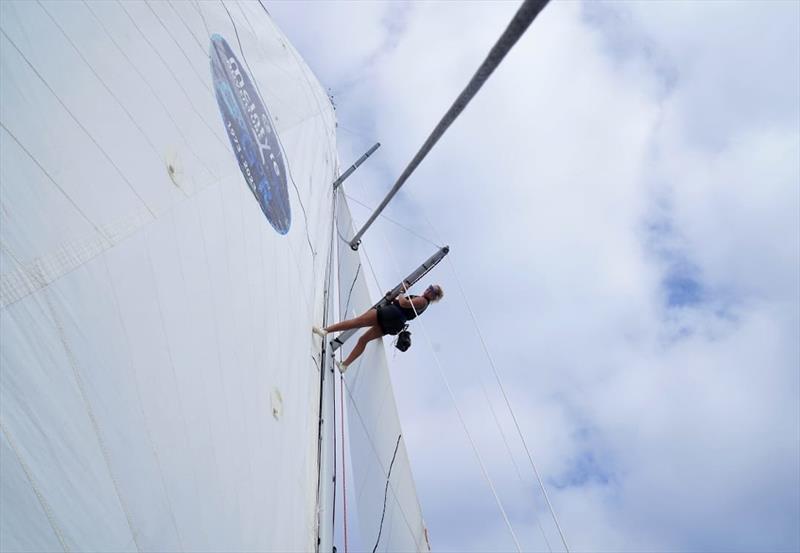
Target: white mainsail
[
  {"x": 159, "y": 387},
  {"x": 390, "y": 517}
]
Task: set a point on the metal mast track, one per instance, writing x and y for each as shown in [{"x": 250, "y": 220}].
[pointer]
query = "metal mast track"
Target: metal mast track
[{"x": 516, "y": 28}]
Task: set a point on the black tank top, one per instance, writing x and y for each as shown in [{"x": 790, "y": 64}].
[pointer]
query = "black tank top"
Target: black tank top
[{"x": 408, "y": 312}]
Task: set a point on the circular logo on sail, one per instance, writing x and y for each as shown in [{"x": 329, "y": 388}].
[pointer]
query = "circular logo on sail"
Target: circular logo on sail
[{"x": 252, "y": 137}]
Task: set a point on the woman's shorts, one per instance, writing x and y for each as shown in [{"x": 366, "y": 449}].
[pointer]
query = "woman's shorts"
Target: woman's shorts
[{"x": 391, "y": 319}]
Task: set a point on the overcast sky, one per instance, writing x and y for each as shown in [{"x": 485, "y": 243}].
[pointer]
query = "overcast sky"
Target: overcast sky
[{"x": 622, "y": 200}]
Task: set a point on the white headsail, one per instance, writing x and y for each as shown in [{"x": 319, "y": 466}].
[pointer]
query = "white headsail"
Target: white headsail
[{"x": 390, "y": 518}]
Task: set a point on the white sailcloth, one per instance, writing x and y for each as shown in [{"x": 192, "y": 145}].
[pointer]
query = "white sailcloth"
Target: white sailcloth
[
  {"x": 390, "y": 517},
  {"x": 158, "y": 383}
]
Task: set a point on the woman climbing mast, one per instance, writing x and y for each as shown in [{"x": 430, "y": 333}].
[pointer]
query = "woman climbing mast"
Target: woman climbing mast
[{"x": 386, "y": 319}]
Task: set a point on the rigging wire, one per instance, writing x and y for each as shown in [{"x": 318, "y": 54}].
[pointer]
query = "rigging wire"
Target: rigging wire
[
  {"x": 402, "y": 226},
  {"x": 511, "y": 411},
  {"x": 508, "y": 449},
  {"x": 483, "y": 388},
  {"x": 491, "y": 409},
  {"x": 461, "y": 419},
  {"x": 503, "y": 391}
]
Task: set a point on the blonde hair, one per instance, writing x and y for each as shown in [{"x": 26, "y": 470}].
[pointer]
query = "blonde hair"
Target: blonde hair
[{"x": 438, "y": 292}]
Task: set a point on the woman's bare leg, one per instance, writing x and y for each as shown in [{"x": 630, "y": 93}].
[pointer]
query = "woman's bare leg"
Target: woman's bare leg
[
  {"x": 370, "y": 318},
  {"x": 372, "y": 334}
]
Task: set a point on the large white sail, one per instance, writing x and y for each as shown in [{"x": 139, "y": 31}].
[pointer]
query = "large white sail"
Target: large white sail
[
  {"x": 165, "y": 173},
  {"x": 389, "y": 514}
]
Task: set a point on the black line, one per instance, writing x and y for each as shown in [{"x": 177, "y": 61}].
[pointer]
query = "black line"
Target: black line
[
  {"x": 386, "y": 492},
  {"x": 265, "y": 9},
  {"x": 375, "y": 453},
  {"x": 347, "y": 303}
]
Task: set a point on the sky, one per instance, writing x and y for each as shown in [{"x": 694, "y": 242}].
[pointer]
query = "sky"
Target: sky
[{"x": 622, "y": 200}]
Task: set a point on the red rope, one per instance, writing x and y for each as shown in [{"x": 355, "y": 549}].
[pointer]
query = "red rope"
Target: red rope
[{"x": 344, "y": 468}]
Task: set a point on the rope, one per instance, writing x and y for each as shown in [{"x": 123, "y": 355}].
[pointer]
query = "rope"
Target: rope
[
  {"x": 461, "y": 420},
  {"x": 518, "y": 25},
  {"x": 510, "y": 410},
  {"x": 505, "y": 398}
]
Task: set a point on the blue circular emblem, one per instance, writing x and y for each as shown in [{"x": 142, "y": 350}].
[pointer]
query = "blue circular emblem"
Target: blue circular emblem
[{"x": 249, "y": 128}]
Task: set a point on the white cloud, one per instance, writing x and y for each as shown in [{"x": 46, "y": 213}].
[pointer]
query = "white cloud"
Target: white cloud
[{"x": 620, "y": 148}]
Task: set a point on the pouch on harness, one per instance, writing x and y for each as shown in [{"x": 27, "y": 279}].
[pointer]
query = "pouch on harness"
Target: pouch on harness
[{"x": 403, "y": 341}]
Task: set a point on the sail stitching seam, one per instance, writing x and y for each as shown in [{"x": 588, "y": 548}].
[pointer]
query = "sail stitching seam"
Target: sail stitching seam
[
  {"x": 147, "y": 431},
  {"x": 77, "y": 121},
  {"x": 73, "y": 362},
  {"x": 48, "y": 511},
  {"x": 174, "y": 78},
  {"x": 158, "y": 99}
]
